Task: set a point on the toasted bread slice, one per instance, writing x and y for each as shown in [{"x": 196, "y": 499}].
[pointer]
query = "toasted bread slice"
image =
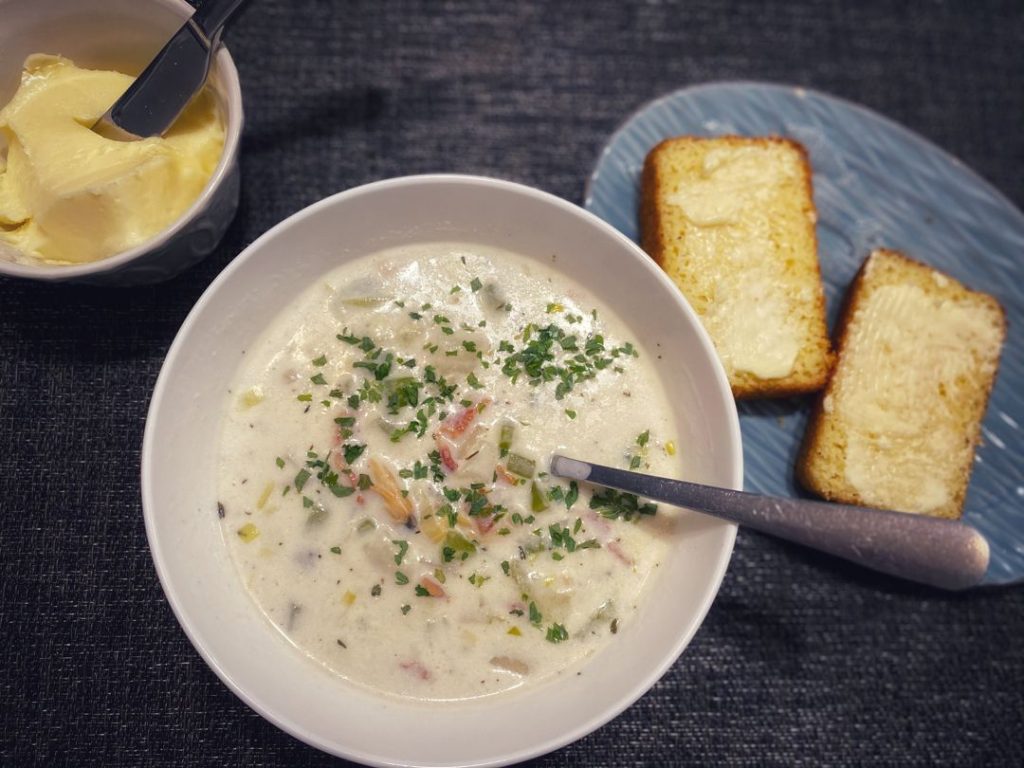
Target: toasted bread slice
[
  {"x": 897, "y": 424},
  {"x": 731, "y": 220}
]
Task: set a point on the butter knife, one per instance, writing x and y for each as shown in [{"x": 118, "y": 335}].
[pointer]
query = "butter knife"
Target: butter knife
[{"x": 153, "y": 102}]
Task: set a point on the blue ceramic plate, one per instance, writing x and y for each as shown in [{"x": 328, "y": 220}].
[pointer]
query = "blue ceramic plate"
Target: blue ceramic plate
[{"x": 875, "y": 184}]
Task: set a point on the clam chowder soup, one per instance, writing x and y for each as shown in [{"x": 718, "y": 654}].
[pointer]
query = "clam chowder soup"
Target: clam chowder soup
[{"x": 383, "y": 485}]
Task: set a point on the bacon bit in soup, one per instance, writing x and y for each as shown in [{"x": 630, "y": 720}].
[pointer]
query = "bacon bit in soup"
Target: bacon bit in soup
[
  {"x": 509, "y": 664},
  {"x": 455, "y": 425},
  {"x": 415, "y": 668},
  {"x": 505, "y": 476},
  {"x": 446, "y": 458},
  {"x": 620, "y": 554},
  {"x": 432, "y": 587}
]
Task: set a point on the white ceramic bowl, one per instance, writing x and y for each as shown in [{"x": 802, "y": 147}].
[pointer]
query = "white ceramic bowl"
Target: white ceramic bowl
[
  {"x": 125, "y": 35},
  {"x": 179, "y": 483}
]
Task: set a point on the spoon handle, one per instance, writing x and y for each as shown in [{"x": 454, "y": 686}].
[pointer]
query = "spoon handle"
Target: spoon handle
[{"x": 943, "y": 553}]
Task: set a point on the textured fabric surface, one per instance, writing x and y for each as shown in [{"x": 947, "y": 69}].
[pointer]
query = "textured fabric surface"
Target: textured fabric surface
[{"x": 802, "y": 660}]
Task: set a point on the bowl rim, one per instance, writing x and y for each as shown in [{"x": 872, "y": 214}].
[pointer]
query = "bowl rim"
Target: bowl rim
[
  {"x": 178, "y": 347},
  {"x": 231, "y": 92}
]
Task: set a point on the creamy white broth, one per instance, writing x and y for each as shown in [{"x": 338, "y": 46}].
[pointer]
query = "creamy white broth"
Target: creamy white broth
[{"x": 394, "y": 400}]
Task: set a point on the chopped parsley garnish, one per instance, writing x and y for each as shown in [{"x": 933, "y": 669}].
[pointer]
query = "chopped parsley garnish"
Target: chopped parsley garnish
[
  {"x": 336, "y": 550},
  {"x": 456, "y": 545},
  {"x": 447, "y": 511},
  {"x": 318, "y": 379},
  {"x": 403, "y": 547},
  {"x": 406, "y": 609},
  {"x": 352, "y": 451},
  {"x": 561, "y": 537},
  {"x": 475, "y": 284},
  {"x": 419, "y": 471},
  {"x": 320, "y": 361},
  {"x": 616, "y": 505},
  {"x": 301, "y": 478},
  {"x": 572, "y": 495},
  {"x": 375, "y": 590},
  {"x": 280, "y": 462},
  {"x": 421, "y": 591},
  {"x": 401, "y": 578},
  {"x": 535, "y": 615},
  {"x": 557, "y": 633},
  {"x": 550, "y": 354}
]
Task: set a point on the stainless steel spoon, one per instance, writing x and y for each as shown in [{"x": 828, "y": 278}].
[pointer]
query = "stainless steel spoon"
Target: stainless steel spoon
[
  {"x": 153, "y": 102},
  {"x": 942, "y": 553}
]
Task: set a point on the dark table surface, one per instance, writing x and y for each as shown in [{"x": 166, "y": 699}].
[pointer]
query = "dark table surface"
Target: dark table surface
[{"x": 802, "y": 659}]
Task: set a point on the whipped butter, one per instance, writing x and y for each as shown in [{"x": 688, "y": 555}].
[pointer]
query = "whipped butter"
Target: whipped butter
[
  {"x": 904, "y": 345},
  {"x": 69, "y": 195},
  {"x": 751, "y": 324}
]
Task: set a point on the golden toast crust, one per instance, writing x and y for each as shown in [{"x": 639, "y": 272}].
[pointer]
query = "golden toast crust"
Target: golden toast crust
[
  {"x": 815, "y": 358},
  {"x": 821, "y": 465}
]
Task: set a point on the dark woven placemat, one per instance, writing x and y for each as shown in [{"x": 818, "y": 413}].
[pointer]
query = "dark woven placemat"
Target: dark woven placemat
[{"x": 802, "y": 659}]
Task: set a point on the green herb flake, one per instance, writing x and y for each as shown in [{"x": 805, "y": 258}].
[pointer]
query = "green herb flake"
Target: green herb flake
[
  {"x": 305, "y": 397},
  {"x": 422, "y": 591},
  {"x": 570, "y": 413},
  {"x": 455, "y": 544},
  {"x": 301, "y": 478},
  {"x": 406, "y": 609},
  {"x": 376, "y": 590},
  {"x": 352, "y": 452},
  {"x": 557, "y": 633},
  {"x": 336, "y": 550},
  {"x": 280, "y": 462},
  {"x": 403, "y": 547},
  {"x": 572, "y": 495},
  {"x": 320, "y": 361},
  {"x": 616, "y": 505},
  {"x": 401, "y": 578},
  {"x": 535, "y": 615}
]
